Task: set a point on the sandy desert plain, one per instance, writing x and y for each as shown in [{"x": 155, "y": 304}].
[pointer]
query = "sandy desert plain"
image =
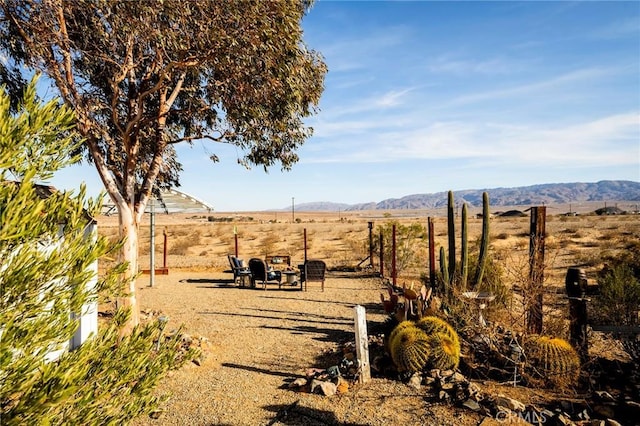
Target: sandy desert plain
[{"x": 256, "y": 341}]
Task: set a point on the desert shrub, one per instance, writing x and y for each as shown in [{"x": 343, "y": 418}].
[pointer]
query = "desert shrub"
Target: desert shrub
[
  {"x": 618, "y": 301},
  {"x": 180, "y": 246},
  {"x": 269, "y": 243},
  {"x": 219, "y": 219},
  {"x": 358, "y": 248},
  {"x": 406, "y": 238}
]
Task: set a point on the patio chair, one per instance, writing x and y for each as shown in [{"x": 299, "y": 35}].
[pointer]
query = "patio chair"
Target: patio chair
[
  {"x": 260, "y": 273},
  {"x": 240, "y": 272},
  {"x": 314, "y": 270}
]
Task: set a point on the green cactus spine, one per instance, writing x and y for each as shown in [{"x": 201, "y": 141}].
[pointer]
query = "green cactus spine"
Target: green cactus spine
[
  {"x": 451, "y": 230},
  {"x": 464, "y": 248},
  {"x": 433, "y": 325},
  {"x": 554, "y": 358},
  {"x": 484, "y": 241},
  {"x": 410, "y": 349},
  {"x": 444, "y": 353}
]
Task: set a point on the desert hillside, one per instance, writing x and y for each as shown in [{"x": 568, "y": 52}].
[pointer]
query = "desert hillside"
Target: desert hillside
[{"x": 574, "y": 196}]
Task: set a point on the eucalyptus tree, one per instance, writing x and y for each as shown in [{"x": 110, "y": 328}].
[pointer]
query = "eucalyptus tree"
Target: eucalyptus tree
[{"x": 142, "y": 76}]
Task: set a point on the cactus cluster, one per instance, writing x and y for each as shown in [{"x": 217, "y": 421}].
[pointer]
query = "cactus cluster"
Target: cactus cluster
[
  {"x": 429, "y": 343},
  {"x": 448, "y": 265},
  {"x": 554, "y": 359}
]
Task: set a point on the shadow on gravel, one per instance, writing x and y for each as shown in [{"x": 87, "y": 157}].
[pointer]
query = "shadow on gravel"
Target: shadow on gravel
[
  {"x": 259, "y": 370},
  {"x": 375, "y": 307},
  {"x": 309, "y": 316},
  {"x": 280, "y": 318},
  {"x": 223, "y": 282},
  {"x": 326, "y": 334},
  {"x": 295, "y": 414}
]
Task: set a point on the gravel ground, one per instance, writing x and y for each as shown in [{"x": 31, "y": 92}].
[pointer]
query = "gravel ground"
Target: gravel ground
[{"x": 260, "y": 340}]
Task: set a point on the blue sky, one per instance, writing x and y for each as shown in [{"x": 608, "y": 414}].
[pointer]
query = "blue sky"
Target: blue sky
[{"x": 425, "y": 97}]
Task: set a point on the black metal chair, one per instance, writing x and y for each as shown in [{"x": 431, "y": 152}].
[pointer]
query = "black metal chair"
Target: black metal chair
[
  {"x": 240, "y": 272},
  {"x": 314, "y": 270},
  {"x": 260, "y": 273}
]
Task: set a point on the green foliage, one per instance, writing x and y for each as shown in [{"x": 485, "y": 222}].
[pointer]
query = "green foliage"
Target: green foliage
[
  {"x": 618, "y": 301},
  {"x": 552, "y": 360},
  {"x": 173, "y": 71},
  {"x": 406, "y": 238},
  {"x": 44, "y": 279},
  {"x": 106, "y": 381}
]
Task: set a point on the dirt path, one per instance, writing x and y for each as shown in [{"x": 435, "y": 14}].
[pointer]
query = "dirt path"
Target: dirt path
[{"x": 260, "y": 339}]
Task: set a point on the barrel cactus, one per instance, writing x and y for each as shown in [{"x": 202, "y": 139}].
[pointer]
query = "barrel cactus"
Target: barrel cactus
[
  {"x": 432, "y": 325},
  {"x": 397, "y": 329},
  {"x": 409, "y": 347},
  {"x": 552, "y": 359},
  {"x": 444, "y": 353}
]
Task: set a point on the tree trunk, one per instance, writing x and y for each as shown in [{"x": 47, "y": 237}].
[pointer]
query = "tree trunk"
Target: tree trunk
[{"x": 128, "y": 229}]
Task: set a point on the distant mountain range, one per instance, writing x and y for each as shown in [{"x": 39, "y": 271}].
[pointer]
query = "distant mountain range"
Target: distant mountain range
[{"x": 545, "y": 194}]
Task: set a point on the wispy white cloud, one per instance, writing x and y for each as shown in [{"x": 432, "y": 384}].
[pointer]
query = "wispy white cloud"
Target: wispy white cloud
[
  {"x": 371, "y": 103},
  {"x": 628, "y": 27},
  {"x": 606, "y": 141},
  {"x": 463, "y": 66},
  {"x": 580, "y": 75}
]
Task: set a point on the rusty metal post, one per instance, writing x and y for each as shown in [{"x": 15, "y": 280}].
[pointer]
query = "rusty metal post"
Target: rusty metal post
[
  {"x": 164, "y": 249},
  {"x": 381, "y": 254},
  {"x": 432, "y": 253},
  {"x": 536, "y": 270},
  {"x": 235, "y": 239},
  {"x": 394, "y": 271},
  {"x": 305, "y": 245},
  {"x": 370, "y": 224}
]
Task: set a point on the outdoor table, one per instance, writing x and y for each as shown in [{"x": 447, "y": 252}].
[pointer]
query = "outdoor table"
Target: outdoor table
[{"x": 291, "y": 276}]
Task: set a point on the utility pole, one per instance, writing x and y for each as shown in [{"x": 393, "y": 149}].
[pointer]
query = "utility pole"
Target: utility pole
[{"x": 293, "y": 210}]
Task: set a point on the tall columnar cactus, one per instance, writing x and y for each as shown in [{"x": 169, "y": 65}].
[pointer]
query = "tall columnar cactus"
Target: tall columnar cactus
[
  {"x": 410, "y": 349},
  {"x": 434, "y": 325},
  {"x": 451, "y": 230},
  {"x": 464, "y": 248},
  {"x": 444, "y": 353},
  {"x": 484, "y": 241},
  {"x": 554, "y": 358},
  {"x": 444, "y": 270}
]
